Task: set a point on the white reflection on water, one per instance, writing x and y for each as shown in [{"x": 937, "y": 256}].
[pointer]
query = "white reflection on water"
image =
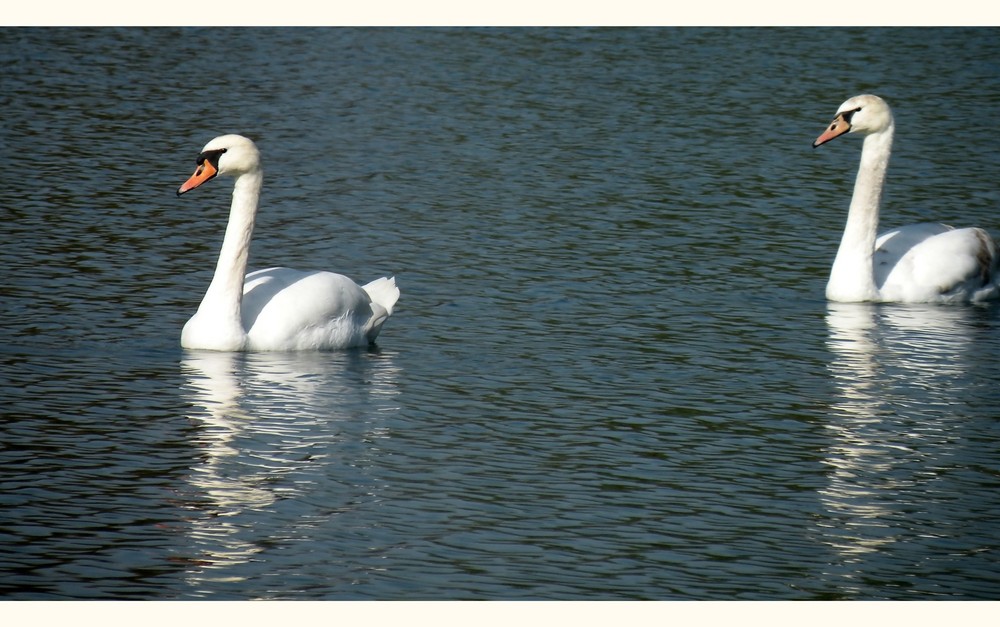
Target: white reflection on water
[
  {"x": 898, "y": 373},
  {"x": 216, "y": 388},
  {"x": 272, "y": 426}
]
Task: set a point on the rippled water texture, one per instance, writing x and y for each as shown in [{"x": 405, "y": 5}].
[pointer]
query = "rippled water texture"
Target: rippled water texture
[{"x": 612, "y": 373}]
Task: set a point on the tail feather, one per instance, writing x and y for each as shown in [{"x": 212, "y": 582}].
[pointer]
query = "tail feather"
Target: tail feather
[{"x": 383, "y": 292}]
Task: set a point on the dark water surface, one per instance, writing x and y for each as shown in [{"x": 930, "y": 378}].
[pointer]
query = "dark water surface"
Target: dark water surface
[{"x": 612, "y": 373}]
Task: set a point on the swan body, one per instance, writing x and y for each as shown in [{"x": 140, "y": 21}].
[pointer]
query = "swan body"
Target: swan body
[
  {"x": 277, "y": 309},
  {"x": 920, "y": 263}
]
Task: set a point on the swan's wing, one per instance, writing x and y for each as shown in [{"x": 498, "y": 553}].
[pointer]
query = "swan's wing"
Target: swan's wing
[
  {"x": 892, "y": 246},
  {"x": 292, "y": 309},
  {"x": 930, "y": 265}
]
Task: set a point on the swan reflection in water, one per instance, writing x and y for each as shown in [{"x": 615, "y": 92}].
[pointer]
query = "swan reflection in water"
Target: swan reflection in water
[
  {"x": 274, "y": 428},
  {"x": 905, "y": 379}
]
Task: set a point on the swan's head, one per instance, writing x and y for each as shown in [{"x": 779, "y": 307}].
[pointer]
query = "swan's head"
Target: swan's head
[
  {"x": 231, "y": 155},
  {"x": 863, "y": 114}
]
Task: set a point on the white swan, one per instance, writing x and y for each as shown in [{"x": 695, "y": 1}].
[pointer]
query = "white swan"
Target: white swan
[
  {"x": 278, "y": 308},
  {"x": 917, "y": 263}
]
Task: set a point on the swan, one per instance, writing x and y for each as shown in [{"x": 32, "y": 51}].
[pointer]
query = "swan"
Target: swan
[
  {"x": 277, "y": 309},
  {"x": 919, "y": 263}
]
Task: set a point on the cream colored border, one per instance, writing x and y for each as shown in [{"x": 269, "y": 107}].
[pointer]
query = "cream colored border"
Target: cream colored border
[
  {"x": 501, "y": 614},
  {"x": 510, "y": 12}
]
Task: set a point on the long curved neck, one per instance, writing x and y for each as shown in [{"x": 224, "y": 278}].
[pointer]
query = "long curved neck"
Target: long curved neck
[
  {"x": 852, "y": 277},
  {"x": 225, "y": 294}
]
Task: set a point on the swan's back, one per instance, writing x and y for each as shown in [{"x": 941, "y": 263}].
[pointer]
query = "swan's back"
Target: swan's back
[
  {"x": 285, "y": 309},
  {"x": 936, "y": 263}
]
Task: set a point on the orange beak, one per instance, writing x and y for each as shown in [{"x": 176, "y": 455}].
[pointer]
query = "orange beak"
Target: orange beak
[
  {"x": 838, "y": 127},
  {"x": 204, "y": 172}
]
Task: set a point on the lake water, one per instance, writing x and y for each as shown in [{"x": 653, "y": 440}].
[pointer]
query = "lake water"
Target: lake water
[{"x": 612, "y": 372}]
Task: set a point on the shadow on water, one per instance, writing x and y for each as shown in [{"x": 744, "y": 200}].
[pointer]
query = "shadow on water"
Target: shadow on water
[
  {"x": 911, "y": 383},
  {"x": 268, "y": 427}
]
